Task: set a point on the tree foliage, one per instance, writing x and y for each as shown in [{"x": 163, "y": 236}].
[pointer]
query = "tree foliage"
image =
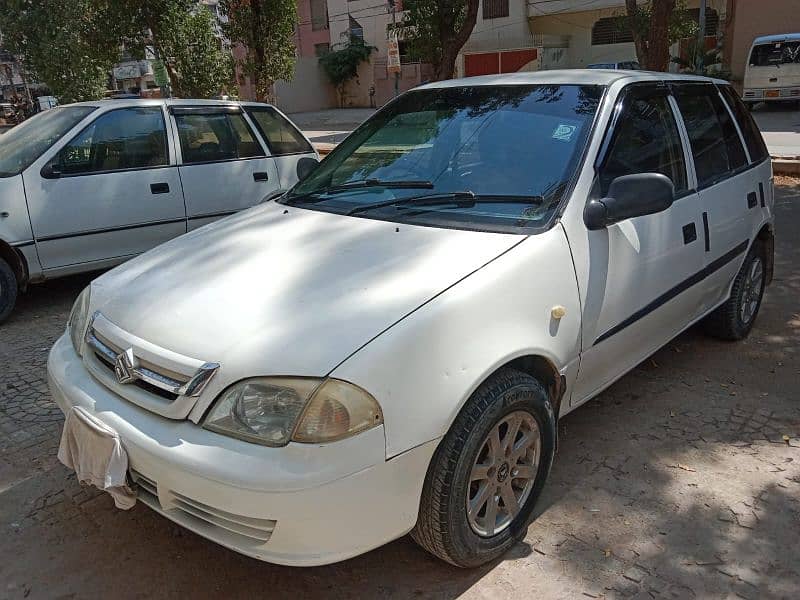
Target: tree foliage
[
  {"x": 655, "y": 26},
  {"x": 63, "y": 44},
  {"x": 341, "y": 64},
  {"x": 436, "y": 30},
  {"x": 265, "y": 31}
]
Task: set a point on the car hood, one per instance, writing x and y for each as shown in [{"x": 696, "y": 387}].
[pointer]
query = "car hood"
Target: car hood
[{"x": 279, "y": 290}]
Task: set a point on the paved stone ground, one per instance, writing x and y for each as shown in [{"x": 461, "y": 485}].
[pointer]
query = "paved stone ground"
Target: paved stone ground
[{"x": 680, "y": 481}]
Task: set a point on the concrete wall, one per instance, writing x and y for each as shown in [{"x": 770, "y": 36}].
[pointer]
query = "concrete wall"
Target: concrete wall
[
  {"x": 309, "y": 90},
  {"x": 748, "y": 19}
]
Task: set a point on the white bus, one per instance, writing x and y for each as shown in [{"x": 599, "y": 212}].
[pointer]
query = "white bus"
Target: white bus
[{"x": 773, "y": 70}]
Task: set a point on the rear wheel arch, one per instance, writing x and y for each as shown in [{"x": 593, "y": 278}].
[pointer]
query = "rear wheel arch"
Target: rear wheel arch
[{"x": 766, "y": 241}]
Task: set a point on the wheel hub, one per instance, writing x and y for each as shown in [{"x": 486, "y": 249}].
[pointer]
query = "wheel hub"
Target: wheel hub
[{"x": 502, "y": 472}]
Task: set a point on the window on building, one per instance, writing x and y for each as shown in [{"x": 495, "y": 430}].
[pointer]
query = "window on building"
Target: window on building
[
  {"x": 214, "y": 137},
  {"x": 646, "y": 140},
  {"x": 716, "y": 146},
  {"x": 610, "y": 30},
  {"x": 321, "y": 49},
  {"x": 712, "y": 20},
  {"x": 319, "y": 15},
  {"x": 495, "y": 9},
  {"x": 281, "y": 136},
  {"x": 356, "y": 30},
  {"x": 127, "y": 138}
]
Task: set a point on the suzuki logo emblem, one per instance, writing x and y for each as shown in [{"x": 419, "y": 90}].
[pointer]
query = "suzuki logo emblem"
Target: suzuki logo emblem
[{"x": 124, "y": 366}]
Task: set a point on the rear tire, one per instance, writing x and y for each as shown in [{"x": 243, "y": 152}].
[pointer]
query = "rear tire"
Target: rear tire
[
  {"x": 473, "y": 508},
  {"x": 735, "y": 318},
  {"x": 8, "y": 290}
]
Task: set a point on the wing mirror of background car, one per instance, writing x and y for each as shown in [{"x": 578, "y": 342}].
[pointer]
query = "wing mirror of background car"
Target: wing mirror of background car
[
  {"x": 305, "y": 166},
  {"x": 630, "y": 196},
  {"x": 51, "y": 170}
]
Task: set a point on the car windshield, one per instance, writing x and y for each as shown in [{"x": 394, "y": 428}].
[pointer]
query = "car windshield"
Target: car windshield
[
  {"x": 776, "y": 53},
  {"x": 27, "y": 141},
  {"x": 495, "y": 158}
]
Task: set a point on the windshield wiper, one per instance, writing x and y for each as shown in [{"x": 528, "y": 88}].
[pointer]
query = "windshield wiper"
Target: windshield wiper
[
  {"x": 465, "y": 199},
  {"x": 318, "y": 195},
  {"x": 410, "y": 184}
]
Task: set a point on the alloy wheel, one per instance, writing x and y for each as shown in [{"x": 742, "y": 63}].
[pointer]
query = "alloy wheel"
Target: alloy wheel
[
  {"x": 751, "y": 291},
  {"x": 503, "y": 473}
]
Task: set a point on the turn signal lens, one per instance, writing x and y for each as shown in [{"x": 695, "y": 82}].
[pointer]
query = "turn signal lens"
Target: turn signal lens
[{"x": 337, "y": 410}]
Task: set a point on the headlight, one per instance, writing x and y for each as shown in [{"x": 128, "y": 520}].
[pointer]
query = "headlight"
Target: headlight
[
  {"x": 77, "y": 319},
  {"x": 274, "y": 410}
]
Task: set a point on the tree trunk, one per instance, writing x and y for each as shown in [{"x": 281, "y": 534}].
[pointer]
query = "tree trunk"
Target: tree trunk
[
  {"x": 638, "y": 40},
  {"x": 658, "y": 38},
  {"x": 453, "y": 40}
]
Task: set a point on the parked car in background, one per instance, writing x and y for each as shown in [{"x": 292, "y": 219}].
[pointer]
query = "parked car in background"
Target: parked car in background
[
  {"x": 45, "y": 103},
  {"x": 630, "y": 65},
  {"x": 773, "y": 72},
  {"x": 86, "y": 186},
  {"x": 388, "y": 348},
  {"x": 8, "y": 113}
]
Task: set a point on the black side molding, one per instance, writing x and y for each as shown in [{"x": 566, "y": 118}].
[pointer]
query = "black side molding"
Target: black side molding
[
  {"x": 705, "y": 231},
  {"x": 761, "y": 194},
  {"x": 681, "y": 287}
]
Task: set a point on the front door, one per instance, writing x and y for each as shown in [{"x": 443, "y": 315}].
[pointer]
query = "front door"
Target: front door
[
  {"x": 639, "y": 283},
  {"x": 109, "y": 193},
  {"x": 224, "y": 168}
]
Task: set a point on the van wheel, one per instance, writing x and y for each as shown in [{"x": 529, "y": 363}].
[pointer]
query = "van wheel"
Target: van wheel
[
  {"x": 734, "y": 319},
  {"x": 488, "y": 471},
  {"x": 8, "y": 290}
]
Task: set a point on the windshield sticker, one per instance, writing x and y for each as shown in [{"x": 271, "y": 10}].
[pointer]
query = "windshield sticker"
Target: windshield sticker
[{"x": 564, "y": 132}]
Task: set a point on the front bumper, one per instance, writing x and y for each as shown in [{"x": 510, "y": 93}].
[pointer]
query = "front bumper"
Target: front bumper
[
  {"x": 302, "y": 504},
  {"x": 771, "y": 94}
]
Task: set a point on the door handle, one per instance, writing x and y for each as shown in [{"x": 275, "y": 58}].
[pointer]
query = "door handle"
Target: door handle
[
  {"x": 689, "y": 233},
  {"x": 159, "y": 188},
  {"x": 752, "y": 200},
  {"x": 261, "y": 176}
]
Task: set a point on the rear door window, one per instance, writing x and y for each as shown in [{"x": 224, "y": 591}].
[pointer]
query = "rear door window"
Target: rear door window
[
  {"x": 716, "y": 146},
  {"x": 646, "y": 140},
  {"x": 124, "y": 138},
  {"x": 752, "y": 136},
  {"x": 214, "y": 137},
  {"x": 280, "y": 135},
  {"x": 775, "y": 53}
]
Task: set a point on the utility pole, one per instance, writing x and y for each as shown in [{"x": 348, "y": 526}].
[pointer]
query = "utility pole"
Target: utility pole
[
  {"x": 701, "y": 38},
  {"x": 394, "y": 48}
]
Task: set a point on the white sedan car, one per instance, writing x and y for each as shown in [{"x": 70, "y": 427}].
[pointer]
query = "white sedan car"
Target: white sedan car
[{"x": 388, "y": 347}]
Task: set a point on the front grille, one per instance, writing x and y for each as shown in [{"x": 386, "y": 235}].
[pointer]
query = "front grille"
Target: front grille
[
  {"x": 155, "y": 378},
  {"x": 217, "y": 524}
]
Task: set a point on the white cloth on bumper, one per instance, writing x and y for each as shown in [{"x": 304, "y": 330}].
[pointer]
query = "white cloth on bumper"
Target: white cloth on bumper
[{"x": 94, "y": 451}]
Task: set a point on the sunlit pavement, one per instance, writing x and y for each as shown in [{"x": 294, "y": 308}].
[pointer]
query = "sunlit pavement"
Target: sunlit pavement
[{"x": 681, "y": 481}]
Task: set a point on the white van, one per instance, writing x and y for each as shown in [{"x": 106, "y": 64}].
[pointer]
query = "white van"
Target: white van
[
  {"x": 86, "y": 186},
  {"x": 773, "y": 70},
  {"x": 388, "y": 347}
]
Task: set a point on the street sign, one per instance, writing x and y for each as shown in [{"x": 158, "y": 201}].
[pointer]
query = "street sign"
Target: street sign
[
  {"x": 160, "y": 73},
  {"x": 393, "y": 62}
]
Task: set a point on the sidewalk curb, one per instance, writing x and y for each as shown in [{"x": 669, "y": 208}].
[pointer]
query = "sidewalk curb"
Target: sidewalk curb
[{"x": 786, "y": 165}]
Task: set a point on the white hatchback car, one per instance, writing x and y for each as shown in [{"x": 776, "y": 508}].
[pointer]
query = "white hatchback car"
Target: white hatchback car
[
  {"x": 86, "y": 186},
  {"x": 388, "y": 348}
]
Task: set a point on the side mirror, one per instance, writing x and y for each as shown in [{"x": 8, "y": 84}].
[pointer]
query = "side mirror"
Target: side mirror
[
  {"x": 305, "y": 166},
  {"x": 630, "y": 196},
  {"x": 52, "y": 170}
]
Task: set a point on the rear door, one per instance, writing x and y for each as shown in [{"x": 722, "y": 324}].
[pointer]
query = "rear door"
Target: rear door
[
  {"x": 223, "y": 166},
  {"x": 286, "y": 143},
  {"x": 109, "y": 193},
  {"x": 728, "y": 187}
]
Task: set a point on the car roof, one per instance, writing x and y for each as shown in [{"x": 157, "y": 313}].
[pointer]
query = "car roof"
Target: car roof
[
  {"x": 123, "y": 102},
  {"x": 781, "y": 37},
  {"x": 567, "y": 77}
]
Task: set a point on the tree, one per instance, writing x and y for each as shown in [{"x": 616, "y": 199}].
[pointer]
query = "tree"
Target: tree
[
  {"x": 341, "y": 65},
  {"x": 436, "y": 30},
  {"x": 181, "y": 34},
  {"x": 655, "y": 26},
  {"x": 62, "y": 44},
  {"x": 265, "y": 30}
]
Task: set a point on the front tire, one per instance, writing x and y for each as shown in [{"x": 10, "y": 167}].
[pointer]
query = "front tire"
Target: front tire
[
  {"x": 8, "y": 290},
  {"x": 735, "y": 318},
  {"x": 487, "y": 473}
]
